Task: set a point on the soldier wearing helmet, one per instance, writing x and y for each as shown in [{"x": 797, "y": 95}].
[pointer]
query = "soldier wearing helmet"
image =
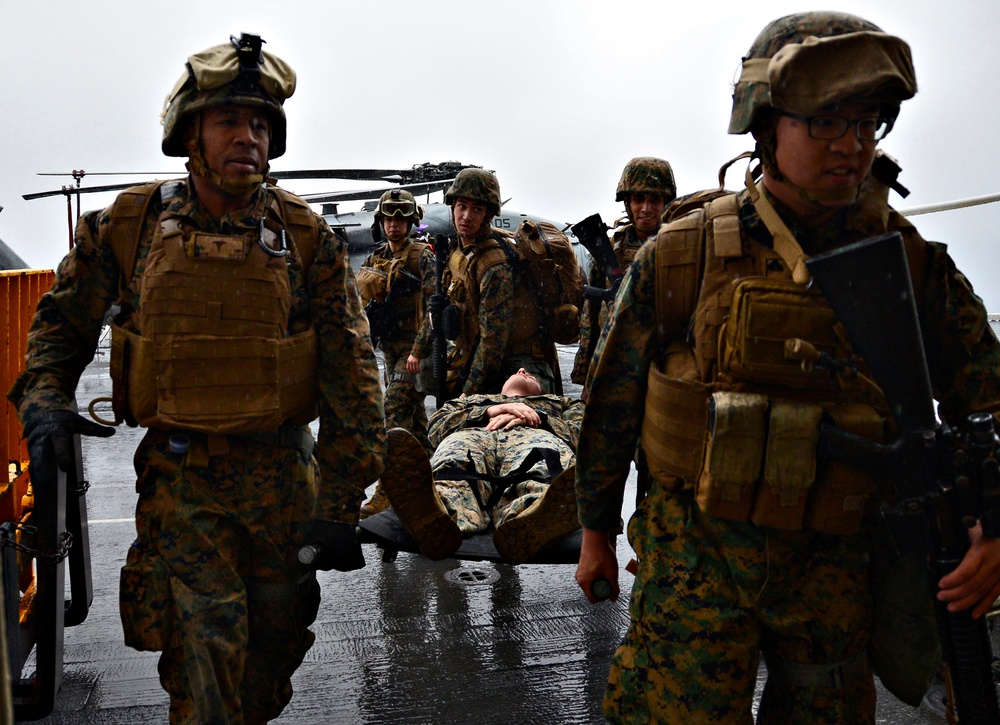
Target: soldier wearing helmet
[
  {"x": 240, "y": 321},
  {"x": 646, "y": 186},
  {"x": 483, "y": 288},
  {"x": 394, "y": 281},
  {"x": 732, "y": 564}
]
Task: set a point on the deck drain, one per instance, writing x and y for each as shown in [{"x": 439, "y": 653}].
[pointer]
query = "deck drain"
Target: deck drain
[{"x": 471, "y": 577}]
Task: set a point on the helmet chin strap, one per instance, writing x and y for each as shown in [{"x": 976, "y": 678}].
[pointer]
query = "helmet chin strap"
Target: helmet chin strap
[{"x": 241, "y": 185}]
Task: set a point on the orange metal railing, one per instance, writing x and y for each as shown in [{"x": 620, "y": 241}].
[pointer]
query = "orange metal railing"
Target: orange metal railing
[{"x": 20, "y": 291}]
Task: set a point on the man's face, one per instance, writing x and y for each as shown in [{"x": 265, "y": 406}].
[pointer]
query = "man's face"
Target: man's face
[
  {"x": 522, "y": 383},
  {"x": 396, "y": 228},
  {"x": 821, "y": 165},
  {"x": 645, "y": 208},
  {"x": 469, "y": 216},
  {"x": 235, "y": 140}
]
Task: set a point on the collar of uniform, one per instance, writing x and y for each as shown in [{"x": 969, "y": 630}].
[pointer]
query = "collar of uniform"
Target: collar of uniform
[{"x": 186, "y": 204}]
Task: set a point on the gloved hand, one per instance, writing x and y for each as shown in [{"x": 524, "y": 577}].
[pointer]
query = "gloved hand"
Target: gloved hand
[
  {"x": 337, "y": 546},
  {"x": 58, "y": 426}
]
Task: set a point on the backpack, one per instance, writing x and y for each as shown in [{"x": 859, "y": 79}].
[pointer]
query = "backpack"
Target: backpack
[{"x": 547, "y": 264}]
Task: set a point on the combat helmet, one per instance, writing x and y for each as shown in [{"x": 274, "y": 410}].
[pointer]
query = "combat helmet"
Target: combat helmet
[
  {"x": 802, "y": 62},
  {"x": 476, "y": 184},
  {"x": 398, "y": 202},
  {"x": 649, "y": 175},
  {"x": 238, "y": 72}
]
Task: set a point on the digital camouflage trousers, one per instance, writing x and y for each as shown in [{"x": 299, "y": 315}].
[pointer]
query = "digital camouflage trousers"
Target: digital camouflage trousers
[
  {"x": 497, "y": 453},
  {"x": 213, "y": 580},
  {"x": 710, "y": 595}
]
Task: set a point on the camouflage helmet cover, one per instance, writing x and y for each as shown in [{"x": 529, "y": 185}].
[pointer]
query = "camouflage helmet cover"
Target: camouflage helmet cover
[
  {"x": 805, "y": 61},
  {"x": 398, "y": 202},
  {"x": 235, "y": 73},
  {"x": 476, "y": 184},
  {"x": 647, "y": 174}
]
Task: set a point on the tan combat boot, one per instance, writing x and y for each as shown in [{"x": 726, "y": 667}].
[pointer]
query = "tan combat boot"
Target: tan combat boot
[
  {"x": 378, "y": 503},
  {"x": 544, "y": 522},
  {"x": 409, "y": 483}
]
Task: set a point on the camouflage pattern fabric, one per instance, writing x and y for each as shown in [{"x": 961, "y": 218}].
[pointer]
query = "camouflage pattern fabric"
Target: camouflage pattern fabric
[
  {"x": 625, "y": 244},
  {"x": 404, "y": 405},
  {"x": 478, "y": 185},
  {"x": 212, "y": 578},
  {"x": 964, "y": 359},
  {"x": 461, "y": 440},
  {"x": 494, "y": 317},
  {"x": 61, "y": 342},
  {"x": 646, "y": 174},
  {"x": 710, "y": 594}
]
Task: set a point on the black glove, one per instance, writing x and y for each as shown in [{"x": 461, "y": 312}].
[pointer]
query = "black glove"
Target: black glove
[
  {"x": 57, "y": 427},
  {"x": 334, "y": 545}
]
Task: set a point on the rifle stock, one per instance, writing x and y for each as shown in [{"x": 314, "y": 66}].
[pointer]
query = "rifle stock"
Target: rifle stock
[
  {"x": 941, "y": 476},
  {"x": 593, "y": 235}
]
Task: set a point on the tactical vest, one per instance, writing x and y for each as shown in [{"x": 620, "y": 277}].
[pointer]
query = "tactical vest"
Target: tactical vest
[
  {"x": 731, "y": 411},
  {"x": 210, "y": 350},
  {"x": 381, "y": 271}
]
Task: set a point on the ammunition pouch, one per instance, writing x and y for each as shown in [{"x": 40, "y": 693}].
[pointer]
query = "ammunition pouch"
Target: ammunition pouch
[
  {"x": 212, "y": 384},
  {"x": 751, "y": 458}
]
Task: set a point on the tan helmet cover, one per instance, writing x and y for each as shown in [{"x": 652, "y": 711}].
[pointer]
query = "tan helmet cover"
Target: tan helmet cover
[
  {"x": 804, "y": 77},
  {"x": 210, "y": 80}
]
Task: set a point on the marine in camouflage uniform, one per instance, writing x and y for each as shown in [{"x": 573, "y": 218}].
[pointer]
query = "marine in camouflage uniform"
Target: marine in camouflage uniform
[
  {"x": 646, "y": 186},
  {"x": 212, "y": 579},
  {"x": 712, "y": 592},
  {"x": 480, "y": 283},
  {"x": 521, "y": 435},
  {"x": 412, "y": 264}
]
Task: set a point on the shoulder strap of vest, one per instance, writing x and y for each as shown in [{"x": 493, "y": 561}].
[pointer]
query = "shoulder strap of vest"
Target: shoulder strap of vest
[
  {"x": 301, "y": 221},
  {"x": 679, "y": 251},
  {"x": 127, "y": 214}
]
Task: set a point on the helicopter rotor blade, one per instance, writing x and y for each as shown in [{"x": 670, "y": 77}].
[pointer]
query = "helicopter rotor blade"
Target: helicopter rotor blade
[
  {"x": 369, "y": 194},
  {"x": 352, "y": 174},
  {"x": 69, "y": 190}
]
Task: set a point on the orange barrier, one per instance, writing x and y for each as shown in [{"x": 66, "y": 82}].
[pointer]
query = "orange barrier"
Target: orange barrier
[{"x": 20, "y": 291}]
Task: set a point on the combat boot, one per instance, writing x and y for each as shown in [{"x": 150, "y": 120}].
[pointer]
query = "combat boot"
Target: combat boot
[
  {"x": 548, "y": 519},
  {"x": 378, "y": 503},
  {"x": 409, "y": 483}
]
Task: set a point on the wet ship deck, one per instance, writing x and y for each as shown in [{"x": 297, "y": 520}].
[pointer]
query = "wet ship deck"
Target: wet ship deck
[{"x": 405, "y": 641}]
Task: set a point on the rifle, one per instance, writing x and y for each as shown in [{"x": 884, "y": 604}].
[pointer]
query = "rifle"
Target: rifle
[
  {"x": 435, "y": 309},
  {"x": 946, "y": 479},
  {"x": 593, "y": 235},
  {"x": 384, "y": 316}
]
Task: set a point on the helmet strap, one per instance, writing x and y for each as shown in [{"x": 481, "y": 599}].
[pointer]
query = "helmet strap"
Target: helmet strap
[{"x": 241, "y": 185}]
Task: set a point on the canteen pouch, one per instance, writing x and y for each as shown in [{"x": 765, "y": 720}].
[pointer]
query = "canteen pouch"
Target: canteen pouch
[
  {"x": 789, "y": 465},
  {"x": 733, "y": 454},
  {"x": 841, "y": 491}
]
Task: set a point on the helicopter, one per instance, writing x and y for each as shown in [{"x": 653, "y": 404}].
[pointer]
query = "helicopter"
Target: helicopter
[{"x": 421, "y": 180}]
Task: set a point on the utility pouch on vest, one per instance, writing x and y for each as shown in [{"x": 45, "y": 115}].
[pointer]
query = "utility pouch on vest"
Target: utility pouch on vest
[
  {"x": 373, "y": 284},
  {"x": 133, "y": 397},
  {"x": 736, "y": 424},
  {"x": 764, "y": 314},
  {"x": 789, "y": 465},
  {"x": 675, "y": 418},
  {"x": 841, "y": 491}
]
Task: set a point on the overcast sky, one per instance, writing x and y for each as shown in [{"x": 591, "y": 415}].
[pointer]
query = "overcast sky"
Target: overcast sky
[{"x": 554, "y": 96}]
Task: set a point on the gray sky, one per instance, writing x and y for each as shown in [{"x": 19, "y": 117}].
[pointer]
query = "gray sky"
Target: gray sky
[{"x": 554, "y": 95}]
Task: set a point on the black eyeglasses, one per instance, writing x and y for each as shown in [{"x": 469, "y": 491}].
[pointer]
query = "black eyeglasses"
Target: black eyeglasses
[{"x": 829, "y": 128}]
